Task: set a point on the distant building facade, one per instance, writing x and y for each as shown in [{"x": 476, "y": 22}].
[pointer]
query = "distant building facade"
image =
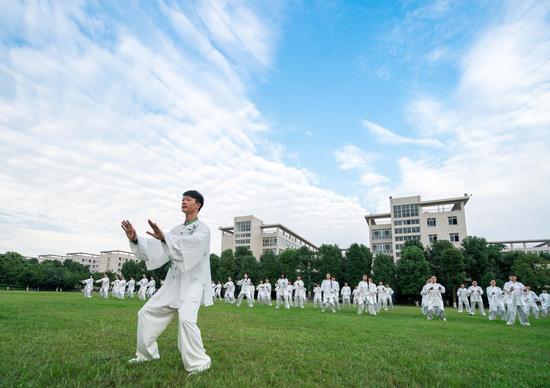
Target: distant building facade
[
  {"x": 250, "y": 232},
  {"x": 411, "y": 218},
  {"x": 104, "y": 262},
  {"x": 532, "y": 245}
]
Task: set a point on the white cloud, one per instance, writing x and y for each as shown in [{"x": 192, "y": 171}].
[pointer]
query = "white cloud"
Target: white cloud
[
  {"x": 372, "y": 179},
  {"x": 350, "y": 156},
  {"x": 384, "y": 135},
  {"x": 95, "y": 129}
]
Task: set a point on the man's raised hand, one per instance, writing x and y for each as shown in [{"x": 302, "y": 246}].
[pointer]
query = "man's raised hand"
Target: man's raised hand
[
  {"x": 129, "y": 230},
  {"x": 157, "y": 233}
]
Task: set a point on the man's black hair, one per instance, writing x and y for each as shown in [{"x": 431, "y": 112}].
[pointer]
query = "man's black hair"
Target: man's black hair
[{"x": 196, "y": 196}]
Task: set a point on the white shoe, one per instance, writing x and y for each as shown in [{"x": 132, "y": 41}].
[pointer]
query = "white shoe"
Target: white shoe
[
  {"x": 198, "y": 370},
  {"x": 526, "y": 324},
  {"x": 137, "y": 360},
  {"x": 445, "y": 319},
  {"x": 509, "y": 323}
]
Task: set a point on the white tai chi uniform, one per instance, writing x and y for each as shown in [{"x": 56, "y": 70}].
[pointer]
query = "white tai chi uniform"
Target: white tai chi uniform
[
  {"x": 531, "y": 300},
  {"x": 88, "y": 287},
  {"x": 288, "y": 294},
  {"x": 186, "y": 287},
  {"x": 104, "y": 290},
  {"x": 267, "y": 293},
  {"x": 115, "y": 290},
  {"x": 463, "y": 294},
  {"x": 336, "y": 291},
  {"x": 121, "y": 288},
  {"x": 346, "y": 296},
  {"x": 544, "y": 298},
  {"x": 299, "y": 294},
  {"x": 317, "y": 301},
  {"x": 327, "y": 286},
  {"x": 389, "y": 293},
  {"x": 354, "y": 296},
  {"x": 496, "y": 306},
  {"x": 245, "y": 292},
  {"x": 151, "y": 288},
  {"x": 475, "y": 299},
  {"x": 280, "y": 292},
  {"x": 142, "y": 288},
  {"x": 382, "y": 298},
  {"x": 229, "y": 295},
  {"x": 131, "y": 285},
  {"x": 366, "y": 297},
  {"x": 218, "y": 291},
  {"x": 434, "y": 300},
  {"x": 515, "y": 303}
]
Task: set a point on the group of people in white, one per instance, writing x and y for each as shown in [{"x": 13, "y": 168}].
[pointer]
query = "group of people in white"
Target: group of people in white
[
  {"x": 514, "y": 300},
  {"x": 366, "y": 296},
  {"x": 120, "y": 288}
]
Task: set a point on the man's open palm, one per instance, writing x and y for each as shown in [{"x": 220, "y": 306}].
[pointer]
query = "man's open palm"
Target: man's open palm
[
  {"x": 156, "y": 233},
  {"x": 129, "y": 230}
]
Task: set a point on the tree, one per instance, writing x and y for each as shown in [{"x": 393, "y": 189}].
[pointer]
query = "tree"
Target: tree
[
  {"x": 134, "y": 269},
  {"x": 383, "y": 269},
  {"x": 368, "y": 255},
  {"x": 413, "y": 243},
  {"x": 447, "y": 263},
  {"x": 357, "y": 265},
  {"x": 249, "y": 265},
  {"x": 412, "y": 271},
  {"x": 289, "y": 262},
  {"x": 476, "y": 257},
  {"x": 240, "y": 252},
  {"x": 215, "y": 266},
  {"x": 305, "y": 258},
  {"x": 532, "y": 270},
  {"x": 228, "y": 266},
  {"x": 268, "y": 267},
  {"x": 330, "y": 258}
]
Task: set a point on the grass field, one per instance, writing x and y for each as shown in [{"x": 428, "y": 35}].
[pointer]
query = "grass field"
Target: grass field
[{"x": 62, "y": 339}]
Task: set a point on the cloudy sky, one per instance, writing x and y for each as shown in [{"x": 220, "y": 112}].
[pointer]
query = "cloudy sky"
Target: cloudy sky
[{"x": 305, "y": 113}]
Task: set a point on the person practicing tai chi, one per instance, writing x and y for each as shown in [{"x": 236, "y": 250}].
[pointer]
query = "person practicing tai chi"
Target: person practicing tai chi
[
  {"x": 104, "y": 290},
  {"x": 515, "y": 303},
  {"x": 142, "y": 292},
  {"x": 245, "y": 284},
  {"x": 494, "y": 296},
  {"x": 531, "y": 299},
  {"x": 229, "y": 295},
  {"x": 336, "y": 292},
  {"x": 354, "y": 294},
  {"x": 544, "y": 298},
  {"x": 151, "y": 287},
  {"x": 281, "y": 293},
  {"x": 382, "y": 297},
  {"x": 317, "y": 301},
  {"x": 433, "y": 291},
  {"x": 131, "y": 286},
  {"x": 475, "y": 298},
  {"x": 187, "y": 248},
  {"x": 299, "y": 293},
  {"x": 328, "y": 287},
  {"x": 362, "y": 295},
  {"x": 121, "y": 287},
  {"x": 389, "y": 295},
  {"x": 267, "y": 292},
  {"x": 88, "y": 286},
  {"x": 218, "y": 291},
  {"x": 346, "y": 295},
  {"x": 462, "y": 293}
]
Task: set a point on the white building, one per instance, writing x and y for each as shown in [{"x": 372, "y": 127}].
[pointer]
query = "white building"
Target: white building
[
  {"x": 89, "y": 259},
  {"x": 410, "y": 218},
  {"x": 42, "y": 258},
  {"x": 536, "y": 246},
  {"x": 113, "y": 260},
  {"x": 250, "y": 232}
]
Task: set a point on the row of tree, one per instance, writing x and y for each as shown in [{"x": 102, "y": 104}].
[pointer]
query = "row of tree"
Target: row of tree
[{"x": 475, "y": 260}]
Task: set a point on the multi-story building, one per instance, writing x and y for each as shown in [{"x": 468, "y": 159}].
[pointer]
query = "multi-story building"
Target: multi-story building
[
  {"x": 252, "y": 233},
  {"x": 89, "y": 259},
  {"x": 410, "y": 218},
  {"x": 113, "y": 260},
  {"x": 533, "y": 245},
  {"x": 42, "y": 258}
]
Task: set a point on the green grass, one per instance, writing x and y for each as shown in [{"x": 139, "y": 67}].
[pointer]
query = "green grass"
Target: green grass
[{"x": 62, "y": 339}]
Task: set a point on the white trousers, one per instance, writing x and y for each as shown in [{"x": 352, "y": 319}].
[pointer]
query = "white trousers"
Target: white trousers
[
  {"x": 229, "y": 297},
  {"x": 329, "y": 302},
  {"x": 130, "y": 292},
  {"x": 299, "y": 300},
  {"x": 463, "y": 302},
  {"x": 496, "y": 310},
  {"x": 141, "y": 293},
  {"x": 435, "y": 311},
  {"x": 282, "y": 298},
  {"x": 104, "y": 292},
  {"x": 153, "y": 318},
  {"x": 346, "y": 301},
  {"x": 317, "y": 300},
  {"x": 512, "y": 312},
  {"x": 248, "y": 299},
  {"x": 364, "y": 305},
  {"x": 480, "y": 307}
]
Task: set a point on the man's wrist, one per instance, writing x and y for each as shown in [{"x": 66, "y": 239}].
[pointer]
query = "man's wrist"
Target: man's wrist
[{"x": 135, "y": 241}]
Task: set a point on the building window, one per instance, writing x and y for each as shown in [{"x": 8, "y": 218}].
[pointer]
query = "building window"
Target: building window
[
  {"x": 243, "y": 241},
  {"x": 403, "y": 211},
  {"x": 431, "y": 222},
  {"x": 414, "y": 221},
  {"x": 407, "y": 238},
  {"x": 408, "y": 229},
  {"x": 432, "y": 237},
  {"x": 269, "y": 241},
  {"x": 453, "y": 237},
  {"x": 453, "y": 220},
  {"x": 381, "y": 234},
  {"x": 242, "y": 226}
]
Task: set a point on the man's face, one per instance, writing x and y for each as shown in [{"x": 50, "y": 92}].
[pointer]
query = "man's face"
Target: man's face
[
  {"x": 189, "y": 205},
  {"x": 462, "y": 286},
  {"x": 433, "y": 279},
  {"x": 493, "y": 283},
  {"x": 245, "y": 276},
  {"x": 327, "y": 276},
  {"x": 474, "y": 283},
  {"x": 513, "y": 278},
  {"x": 365, "y": 278}
]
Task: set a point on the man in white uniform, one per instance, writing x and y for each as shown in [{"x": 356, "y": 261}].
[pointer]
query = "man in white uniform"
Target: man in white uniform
[
  {"x": 424, "y": 305},
  {"x": 267, "y": 291},
  {"x": 389, "y": 293},
  {"x": 229, "y": 287},
  {"x": 462, "y": 293},
  {"x": 121, "y": 287},
  {"x": 88, "y": 286},
  {"x": 131, "y": 286},
  {"x": 354, "y": 295},
  {"x": 187, "y": 284},
  {"x": 327, "y": 287},
  {"x": 288, "y": 293},
  {"x": 514, "y": 301},
  {"x": 299, "y": 293},
  {"x": 104, "y": 290},
  {"x": 382, "y": 297},
  {"x": 531, "y": 299},
  {"x": 544, "y": 298},
  {"x": 336, "y": 292},
  {"x": 317, "y": 301},
  {"x": 362, "y": 292},
  {"x": 219, "y": 290},
  {"x": 475, "y": 298},
  {"x": 142, "y": 292},
  {"x": 494, "y": 296},
  {"x": 346, "y": 295},
  {"x": 280, "y": 292},
  {"x": 245, "y": 284},
  {"x": 151, "y": 287},
  {"x": 433, "y": 291}
]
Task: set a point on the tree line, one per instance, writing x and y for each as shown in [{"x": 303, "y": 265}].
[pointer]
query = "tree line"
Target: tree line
[{"x": 476, "y": 259}]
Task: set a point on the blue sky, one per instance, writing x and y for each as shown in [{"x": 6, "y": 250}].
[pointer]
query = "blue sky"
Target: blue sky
[{"x": 307, "y": 113}]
